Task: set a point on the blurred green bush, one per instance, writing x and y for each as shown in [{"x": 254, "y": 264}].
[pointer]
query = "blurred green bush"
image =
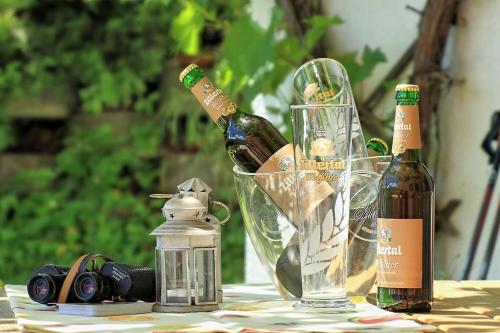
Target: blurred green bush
[
  {"x": 127, "y": 127},
  {"x": 107, "y": 59}
]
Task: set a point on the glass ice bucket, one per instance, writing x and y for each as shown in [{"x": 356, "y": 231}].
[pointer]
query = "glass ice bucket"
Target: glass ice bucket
[
  {"x": 269, "y": 228},
  {"x": 275, "y": 238}
]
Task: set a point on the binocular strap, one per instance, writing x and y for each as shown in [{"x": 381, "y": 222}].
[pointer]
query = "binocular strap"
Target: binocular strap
[{"x": 79, "y": 266}]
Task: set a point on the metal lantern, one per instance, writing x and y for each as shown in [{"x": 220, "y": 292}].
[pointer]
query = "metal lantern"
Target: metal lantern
[
  {"x": 187, "y": 258},
  {"x": 199, "y": 189}
]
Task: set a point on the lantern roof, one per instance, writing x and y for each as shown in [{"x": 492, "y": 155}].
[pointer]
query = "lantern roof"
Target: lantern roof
[
  {"x": 183, "y": 207},
  {"x": 184, "y": 216},
  {"x": 194, "y": 185}
]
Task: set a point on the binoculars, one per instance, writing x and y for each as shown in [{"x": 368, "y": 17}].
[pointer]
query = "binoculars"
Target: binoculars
[{"x": 114, "y": 282}]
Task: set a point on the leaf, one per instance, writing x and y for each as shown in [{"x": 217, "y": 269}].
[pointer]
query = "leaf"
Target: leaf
[
  {"x": 318, "y": 26},
  {"x": 323, "y": 258},
  {"x": 327, "y": 226},
  {"x": 358, "y": 71},
  {"x": 247, "y": 48},
  {"x": 339, "y": 209},
  {"x": 314, "y": 241},
  {"x": 6, "y": 135},
  {"x": 321, "y": 253},
  {"x": 186, "y": 29},
  {"x": 289, "y": 48},
  {"x": 327, "y": 254},
  {"x": 313, "y": 268},
  {"x": 391, "y": 84},
  {"x": 372, "y": 57}
]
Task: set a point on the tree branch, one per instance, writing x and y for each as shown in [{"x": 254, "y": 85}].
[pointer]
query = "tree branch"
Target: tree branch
[
  {"x": 437, "y": 19},
  {"x": 295, "y": 14}
]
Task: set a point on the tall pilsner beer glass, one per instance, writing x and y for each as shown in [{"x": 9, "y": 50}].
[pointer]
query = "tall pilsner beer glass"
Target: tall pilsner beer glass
[{"x": 322, "y": 152}]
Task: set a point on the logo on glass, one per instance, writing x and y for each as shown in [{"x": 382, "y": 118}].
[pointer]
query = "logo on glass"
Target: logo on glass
[
  {"x": 322, "y": 147},
  {"x": 313, "y": 94},
  {"x": 327, "y": 169}
]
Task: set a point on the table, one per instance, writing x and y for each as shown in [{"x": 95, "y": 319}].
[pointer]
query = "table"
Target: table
[
  {"x": 7, "y": 320},
  {"x": 466, "y": 306}
]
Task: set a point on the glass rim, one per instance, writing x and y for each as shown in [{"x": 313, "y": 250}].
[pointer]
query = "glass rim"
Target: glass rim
[
  {"x": 310, "y": 62},
  {"x": 365, "y": 173},
  {"x": 370, "y": 158},
  {"x": 321, "y": 106},
  {"x": 237, "y": 170}
]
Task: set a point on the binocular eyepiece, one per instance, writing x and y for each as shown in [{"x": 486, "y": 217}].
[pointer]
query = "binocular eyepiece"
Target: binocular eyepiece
[
  {"x": 114, "y": 281},
  {"x": 90, "y": 287},
  {"x": 44, "y": 286}
]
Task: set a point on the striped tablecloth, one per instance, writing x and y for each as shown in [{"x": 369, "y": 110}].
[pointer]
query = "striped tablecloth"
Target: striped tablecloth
[{"x": 467, "y": 306}]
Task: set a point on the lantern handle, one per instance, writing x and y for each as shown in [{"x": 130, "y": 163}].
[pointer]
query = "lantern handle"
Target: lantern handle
[
  {"x": 161, "y": 196},
  {"x": 215, "y": 202}
]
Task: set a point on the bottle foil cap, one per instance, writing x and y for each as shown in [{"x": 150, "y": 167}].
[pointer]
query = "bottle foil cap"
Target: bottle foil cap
[
  {"x": 186, "y": 71},
  {"x": 407, "y": 87}
]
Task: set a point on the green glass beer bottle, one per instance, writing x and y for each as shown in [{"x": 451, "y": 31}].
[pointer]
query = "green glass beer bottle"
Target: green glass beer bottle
[
  {"x": 256, "y": 146},
  {"x": 405, "y": 224},
  {"x": 250, "y": 140},
  {"x": 376, "y": 147}
]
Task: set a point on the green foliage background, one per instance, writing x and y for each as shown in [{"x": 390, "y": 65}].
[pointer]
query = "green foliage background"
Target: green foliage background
[{"x": 104, "y": 56}]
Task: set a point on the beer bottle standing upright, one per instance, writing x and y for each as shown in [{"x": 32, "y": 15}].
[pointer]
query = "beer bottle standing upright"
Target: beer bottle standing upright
[{"x": 405, "y": 224}]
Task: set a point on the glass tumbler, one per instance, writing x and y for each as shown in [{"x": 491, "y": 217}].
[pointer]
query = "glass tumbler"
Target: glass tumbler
[{"x": 322, "y": 156}]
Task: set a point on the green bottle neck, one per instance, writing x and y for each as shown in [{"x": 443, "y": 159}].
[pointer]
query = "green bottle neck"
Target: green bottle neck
[
  {"x": 408, "y": 98},
  {"x": 195, "y": 76},
  {"x": 192, "y": 78}
]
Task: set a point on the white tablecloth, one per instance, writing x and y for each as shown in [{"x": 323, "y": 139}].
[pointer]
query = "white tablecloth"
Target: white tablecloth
[{"x": 246, "y": 308}]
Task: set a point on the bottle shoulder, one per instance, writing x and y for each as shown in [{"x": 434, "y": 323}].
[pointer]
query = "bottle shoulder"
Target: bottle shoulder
[
  {"x": 249, "y": 124},
  {"x": 407, "y": 176},
  {"x": 244, "y": 119},
  {"x": 248, "y": 118}
]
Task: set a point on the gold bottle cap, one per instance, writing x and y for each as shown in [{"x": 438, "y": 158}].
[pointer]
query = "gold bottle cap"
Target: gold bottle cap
[
  {"x": 407, "y": 87},
  {"x": 186, "y": 71}
]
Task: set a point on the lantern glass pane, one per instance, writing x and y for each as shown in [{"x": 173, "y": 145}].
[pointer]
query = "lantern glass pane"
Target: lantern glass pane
[
  {"x": 205, "y": 275},
  {"x": 177, "y": 283}
]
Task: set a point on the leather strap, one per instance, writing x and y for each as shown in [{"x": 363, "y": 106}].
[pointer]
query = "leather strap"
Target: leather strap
[{"x": 79, "y": 266}]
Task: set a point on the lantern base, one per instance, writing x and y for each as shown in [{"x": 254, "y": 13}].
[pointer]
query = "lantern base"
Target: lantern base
[{"x": 186, "y": 308}]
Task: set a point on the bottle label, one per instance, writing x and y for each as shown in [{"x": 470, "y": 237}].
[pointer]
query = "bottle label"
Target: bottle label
[
  {"x": 284, "y": 194},
  {"x": 213, "y": 99},
  {"x": 406, "y": 129},
  {"x": 399, "y": 253}
]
